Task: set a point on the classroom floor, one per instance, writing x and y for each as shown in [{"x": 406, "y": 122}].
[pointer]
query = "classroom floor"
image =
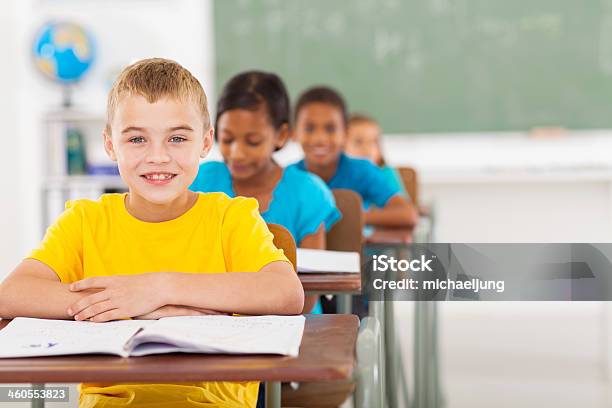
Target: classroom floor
[{"x": 527, "y": 354}]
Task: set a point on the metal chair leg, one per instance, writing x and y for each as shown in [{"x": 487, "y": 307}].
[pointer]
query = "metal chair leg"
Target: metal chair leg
[
  {"x": 370, "y": 387},
  {"x": 273, "y": 394}
]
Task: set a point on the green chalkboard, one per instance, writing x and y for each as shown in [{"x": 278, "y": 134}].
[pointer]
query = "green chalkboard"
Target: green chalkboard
[{"x": 433, "y": 65}]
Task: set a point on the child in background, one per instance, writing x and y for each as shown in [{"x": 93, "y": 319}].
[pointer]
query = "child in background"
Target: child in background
[
  {"x": 364, "y": 140},
  {"x": 320, "y": 127},
  {"x": 159, "y": 250},
  {"x": 252, "y": 123}
]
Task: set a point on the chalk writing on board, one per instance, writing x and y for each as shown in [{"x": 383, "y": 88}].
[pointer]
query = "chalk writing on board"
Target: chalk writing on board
[
  {"x": 480, "y": 64},
  {"x": 549, "y": 23},
  {"x": 275, "y": 22},
  {"x": 335, "y": 24},
  {"x": 386, "y": 44},
  {"x": 414, "y": 60}
]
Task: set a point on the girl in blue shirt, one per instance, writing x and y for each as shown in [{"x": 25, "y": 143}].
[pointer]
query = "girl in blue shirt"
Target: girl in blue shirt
[
  {"x": 252, "y": 123},
  {"x": 320, "y": 127}
]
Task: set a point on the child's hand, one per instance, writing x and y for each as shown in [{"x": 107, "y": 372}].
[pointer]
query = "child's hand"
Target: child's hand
[
  {"x": 120, "y": 297},
  {"x": 172, "y": 311}
]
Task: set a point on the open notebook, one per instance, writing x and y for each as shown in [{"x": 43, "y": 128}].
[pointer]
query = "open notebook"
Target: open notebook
[
  {"x": 318, "y": 260},
  {"x": 27, "y": 337}
]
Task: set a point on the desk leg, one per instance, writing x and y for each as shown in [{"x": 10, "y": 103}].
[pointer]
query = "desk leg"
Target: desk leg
[
  {"x": 427, "y": 387},
  {"x": 377, "y": 310},
  {"x": 393, "y": 359},
  {"x": 395, "y": 377},
  {"x": 436, "y": 386},
  {"x": 38, "y": 403},
  {"x": 419, "y": 397},
  {"x": 397, "y": 388},
  {"x": 344, "y": 304},
  {"x": 273, "y": 394}
]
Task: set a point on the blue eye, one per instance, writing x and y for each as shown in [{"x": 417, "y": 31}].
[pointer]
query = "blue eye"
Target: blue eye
[
  {"x": 177, "y": 139},
  {"x": 137, "y": 139}
]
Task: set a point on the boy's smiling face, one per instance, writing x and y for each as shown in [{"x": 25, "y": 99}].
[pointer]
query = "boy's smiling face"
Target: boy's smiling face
[
  {"x": 157, "y": 147},
  {"x": 320, "y": 130}
]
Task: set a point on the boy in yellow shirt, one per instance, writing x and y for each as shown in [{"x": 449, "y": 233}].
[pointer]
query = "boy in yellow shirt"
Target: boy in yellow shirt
[{"x": 159, "y": 250}]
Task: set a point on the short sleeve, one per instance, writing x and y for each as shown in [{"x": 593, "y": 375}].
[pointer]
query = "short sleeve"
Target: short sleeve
[
  {"x": 319, "y": 207},
  {"x": 213, "y": 177},
  {"x": 62, "y": 247},
  {"x": 247, "y": 242},
  {"x": 396, "y": 181},
  {"x": 377, "y": 188}
]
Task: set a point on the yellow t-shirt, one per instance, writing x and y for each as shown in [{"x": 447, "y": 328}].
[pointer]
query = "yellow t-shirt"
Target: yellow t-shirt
[{"x": 100, "y": 238}]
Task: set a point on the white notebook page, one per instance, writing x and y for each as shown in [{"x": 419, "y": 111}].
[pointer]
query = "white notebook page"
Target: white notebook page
[
  {"x": 227, "y": 334},
  {"x": 317, "y": 260},
  {"x": 27, "y": 337}
]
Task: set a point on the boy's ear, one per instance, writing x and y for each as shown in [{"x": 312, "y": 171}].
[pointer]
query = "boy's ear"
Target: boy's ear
[
  {"x": 208, "y": 138},
  {"x": 283, "y": 135},
  {"x": 108, "y": 145}
]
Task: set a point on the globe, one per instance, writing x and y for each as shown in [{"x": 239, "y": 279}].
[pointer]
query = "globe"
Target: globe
[{"x": 64, "y": 51}]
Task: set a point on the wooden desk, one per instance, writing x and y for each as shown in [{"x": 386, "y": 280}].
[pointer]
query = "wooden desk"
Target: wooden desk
[
  {"x": 341, "y": 284},
  {"x": 334, "y": 361},
  {"x": 330, "y": 283}
]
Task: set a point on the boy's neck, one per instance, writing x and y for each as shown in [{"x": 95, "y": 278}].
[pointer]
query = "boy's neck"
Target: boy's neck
[
  {"x": 326, "y": 171},
  {"x": 147, "y": 211}
]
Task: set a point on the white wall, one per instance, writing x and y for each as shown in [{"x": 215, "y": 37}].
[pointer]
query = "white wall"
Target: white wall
[
  {"x": 12, "y": 224},
  {"x": 510, "y": 187},
  {"x": 124, "y": 31}
]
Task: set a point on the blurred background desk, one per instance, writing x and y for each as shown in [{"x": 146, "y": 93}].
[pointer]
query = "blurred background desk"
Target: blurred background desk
[{"x": 331, "y": 283}]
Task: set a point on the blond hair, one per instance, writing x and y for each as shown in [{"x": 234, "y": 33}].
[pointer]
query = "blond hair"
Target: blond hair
[{"x": 155, "y": 78}]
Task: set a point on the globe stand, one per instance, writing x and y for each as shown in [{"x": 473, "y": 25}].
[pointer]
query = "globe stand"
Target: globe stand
[{"x": 66, "y": 96}]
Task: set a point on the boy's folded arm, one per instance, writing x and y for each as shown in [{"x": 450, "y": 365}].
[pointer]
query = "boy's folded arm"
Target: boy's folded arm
[
  {"x": 33, "y": 289},
  {"x": 173, "y": 311},
  {"x": 274, "y": 289},
  {"x": 396, "y": 213}
]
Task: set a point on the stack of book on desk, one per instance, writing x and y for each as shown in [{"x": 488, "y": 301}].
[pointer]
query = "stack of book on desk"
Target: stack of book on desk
[{"x": 324, "y": 261}]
